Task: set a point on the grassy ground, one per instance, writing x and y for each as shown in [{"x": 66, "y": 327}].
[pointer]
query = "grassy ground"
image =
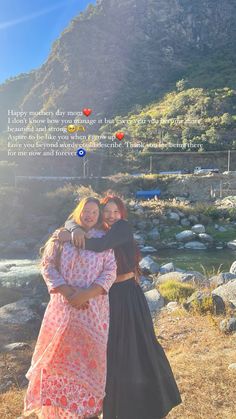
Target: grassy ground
[{"x": 199, "y": 355}]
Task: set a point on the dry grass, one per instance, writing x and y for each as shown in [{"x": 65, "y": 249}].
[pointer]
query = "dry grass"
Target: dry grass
[{"x": 199, "y": 355}]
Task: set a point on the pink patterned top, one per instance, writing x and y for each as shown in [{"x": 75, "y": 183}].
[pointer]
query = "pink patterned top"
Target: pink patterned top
[{"x": 68, "y": 368}]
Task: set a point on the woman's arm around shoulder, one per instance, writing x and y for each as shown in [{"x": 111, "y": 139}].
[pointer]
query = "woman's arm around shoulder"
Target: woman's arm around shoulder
[{"x": 120, "y": 233}]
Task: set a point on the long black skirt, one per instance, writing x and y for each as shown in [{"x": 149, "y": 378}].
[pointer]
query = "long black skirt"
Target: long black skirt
[{"x": 140, "y": 383}]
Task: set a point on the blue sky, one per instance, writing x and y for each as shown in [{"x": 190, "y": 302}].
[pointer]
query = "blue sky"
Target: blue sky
[{"x": 27, "y": 30}]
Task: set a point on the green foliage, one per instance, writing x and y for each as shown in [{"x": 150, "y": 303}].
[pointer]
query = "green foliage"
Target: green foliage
[
  {"x": 212, "y": 211},
  {"x": 181, "y": 85},
  {"x": 173, "y": 290},
  {"x": 203, "y": 306},
  {"x": 187, "y": 116},
  {"x": 63, "y": 200}
]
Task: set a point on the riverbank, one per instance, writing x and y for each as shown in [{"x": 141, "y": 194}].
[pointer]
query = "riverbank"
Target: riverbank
[{"x": 199, "y": 355}]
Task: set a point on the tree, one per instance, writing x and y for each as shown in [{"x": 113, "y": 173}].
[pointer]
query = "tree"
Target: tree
[{"x": 182, "y": 85}]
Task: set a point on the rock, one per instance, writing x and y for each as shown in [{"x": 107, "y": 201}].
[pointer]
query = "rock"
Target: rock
[
  {"x": 174, "y": 216},
  {"x": 19, "y": 313},
  {"x": 148, "y": 249},
  {"x": 196, "y": 299},
  {"x": 175, "y": 276},
  {"x": 185, "y": 236},
  {"x": 193, "y": 219},
  {"x": 146, "y": 283},
  {"x": 198, "y": 228},
  {"x": 155, "y": 222},
  {"x": 196, "y": 278},
  {"x": 233, "y": 268},
  {"x": 190, "y": 276},
  {"x": 232, "y": 245},
  {"x": 221, "y": 279},
  {"x": 155, "y": 300},
  {"x": 142, "y": 225},
  {"x": 154, "y": 234},
  {"x": 16, "y": 346},
  {"x": 205, "y": 238},
  {"x": 222, "y": 229},
  {"x": 232, "y": 304},
  {"x": 232, "y": 367},
  {"x": 168, "y": 267},
  {"x": 222, "y": 296},
  {"x": 172, "y": 306},
  {"x": 228, "y": 325},
  {"x": 181, "y": 214},
  {"x": 139, "y": 211},
  {"x": 195, "y": 245},
  {"x": 185, "y": 222},
  {"x": 9, "y": 295},
  {"x": 20, "y": 275},
  {"x": 147, "y": 264},
  {"x": 139, "y": 238}
]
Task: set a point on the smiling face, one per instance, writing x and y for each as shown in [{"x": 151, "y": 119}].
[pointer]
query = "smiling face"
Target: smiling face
[
  {"x": 71, "y": 128},
  {"x": 89, "y": 215},
  {"x": 111, "y": 213}
]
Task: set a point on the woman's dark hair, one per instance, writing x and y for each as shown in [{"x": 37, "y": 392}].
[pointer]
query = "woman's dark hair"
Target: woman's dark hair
[{"x": 124, "y": 214}]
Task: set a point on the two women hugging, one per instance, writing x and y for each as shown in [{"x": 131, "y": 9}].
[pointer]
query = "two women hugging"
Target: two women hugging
[{"x": 97, "y": 350}]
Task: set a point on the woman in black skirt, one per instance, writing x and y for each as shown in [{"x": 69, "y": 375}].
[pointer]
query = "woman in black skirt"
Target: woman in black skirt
[{"x": 140, "y": 383}]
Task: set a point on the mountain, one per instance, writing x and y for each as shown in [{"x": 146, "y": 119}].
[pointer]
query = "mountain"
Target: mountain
[{"x": 122, "y": 53}]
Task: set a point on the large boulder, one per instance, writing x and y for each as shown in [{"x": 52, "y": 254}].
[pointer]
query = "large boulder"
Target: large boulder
[
  {"x": 9, "y": 295},
  {"x": 195, "y": 245},
  {"x": 148, "y": 249},
  {"x": 173, "y": 216},
  {"x": 221, "y": 279},
  {"x": 139, "y": 238},
  {"x": 168, "y": 267},
  {"x": 198, "y": 228},
  {"x": 21, "y": 274},
  {"x": 206, "y": 238},
  {"x": 185, "y": 222},
  {"x": 146, "y": 283},
  {"x": 232, "y": 244},
  {"x": 193, "y": 277},
  {"x": 19, "y": 313},
  {"x": 223, "y": 295},
  {"x": 20, "y": 320},
  {"x": 148, "y": 265},
  {"x": 155, "y": 300},
  {"x": 233, "y": 268},
  {"x": 228, "y": 325},
  {"x": 193, "y": 219},
  {"x": 154, "y": 234},
  {"x": 185, "y": 236}
]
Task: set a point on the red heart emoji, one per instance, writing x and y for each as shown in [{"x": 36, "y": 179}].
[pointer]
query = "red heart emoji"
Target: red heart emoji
[
  {"x": 120, "y": 136},
  {"x": 87, "y": 111}
]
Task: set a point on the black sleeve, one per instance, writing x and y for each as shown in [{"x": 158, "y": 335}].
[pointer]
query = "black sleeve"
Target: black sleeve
[
  {"x": 71, "y": 225},
  {"x": 120, "y": 233}
]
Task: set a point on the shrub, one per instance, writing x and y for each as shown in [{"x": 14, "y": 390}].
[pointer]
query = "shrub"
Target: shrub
[
  {"x": 173, "y": 290},
  {"x": 203, "y": 306}
]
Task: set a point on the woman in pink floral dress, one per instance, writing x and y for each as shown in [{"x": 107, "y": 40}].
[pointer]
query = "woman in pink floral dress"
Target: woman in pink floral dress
[{"x": 68, "y": 370}]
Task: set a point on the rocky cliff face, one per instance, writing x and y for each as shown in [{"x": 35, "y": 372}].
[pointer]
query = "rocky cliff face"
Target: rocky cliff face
[{"x": 121, "y": 53}]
